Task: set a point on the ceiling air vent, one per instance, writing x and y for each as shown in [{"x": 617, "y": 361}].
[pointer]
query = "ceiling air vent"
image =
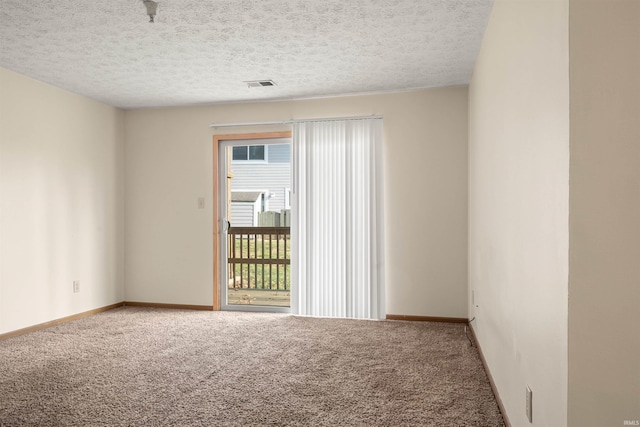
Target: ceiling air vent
[{"x": 260, "y": 83}]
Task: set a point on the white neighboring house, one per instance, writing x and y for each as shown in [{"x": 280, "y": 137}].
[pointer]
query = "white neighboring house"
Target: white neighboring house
[{"x": 261, "y": 182}]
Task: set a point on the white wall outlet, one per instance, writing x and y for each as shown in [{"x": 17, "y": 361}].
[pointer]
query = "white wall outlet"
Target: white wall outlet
[
  {"x": 200, "y": 202},
  {"x": 529, "y": 404},
  {"x": 76, "y": 286}
]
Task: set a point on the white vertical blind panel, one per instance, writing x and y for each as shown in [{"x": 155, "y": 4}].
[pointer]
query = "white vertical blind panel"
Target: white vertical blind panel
[{"x": 337, "y": 219}]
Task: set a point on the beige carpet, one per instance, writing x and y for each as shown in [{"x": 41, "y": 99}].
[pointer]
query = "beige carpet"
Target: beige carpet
[{"x": 156, "y": 367}]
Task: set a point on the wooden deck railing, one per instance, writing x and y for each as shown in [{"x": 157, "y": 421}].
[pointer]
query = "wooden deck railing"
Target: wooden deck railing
[{"x": 259, "y": 258}]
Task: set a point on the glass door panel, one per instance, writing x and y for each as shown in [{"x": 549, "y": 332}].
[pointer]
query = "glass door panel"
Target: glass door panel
[{"x": 257, "y": 240}]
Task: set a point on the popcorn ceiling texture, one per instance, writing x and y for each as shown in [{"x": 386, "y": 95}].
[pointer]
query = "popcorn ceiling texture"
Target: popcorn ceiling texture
[{"x": 201, "y": 51}]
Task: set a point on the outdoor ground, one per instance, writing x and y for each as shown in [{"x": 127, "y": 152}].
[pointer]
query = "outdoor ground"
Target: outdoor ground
[{"x": 258, "y": 297}]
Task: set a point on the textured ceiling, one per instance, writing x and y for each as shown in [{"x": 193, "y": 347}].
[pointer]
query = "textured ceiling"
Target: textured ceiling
[{"x": 202, "y": 51}]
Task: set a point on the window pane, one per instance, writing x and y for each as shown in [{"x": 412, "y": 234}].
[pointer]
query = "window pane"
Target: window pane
[
  {"x": 256, "y": 152},
  {"x": 240, "y": 153}
]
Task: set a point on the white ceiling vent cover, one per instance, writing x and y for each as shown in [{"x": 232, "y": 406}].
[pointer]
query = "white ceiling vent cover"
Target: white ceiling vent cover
[{"x": 260, "y": 83}]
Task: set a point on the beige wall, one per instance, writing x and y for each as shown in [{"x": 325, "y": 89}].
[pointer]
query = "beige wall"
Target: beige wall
[
  {"x": 604, "y": 286},
  {"x": 61, "y": 203},
  {"x": 169, "y": 247},
  {"x": 518, "y": 205}
]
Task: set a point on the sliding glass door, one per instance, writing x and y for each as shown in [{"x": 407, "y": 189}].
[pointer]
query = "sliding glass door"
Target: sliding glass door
[
  {"x": 255, "y": 243},
  {"x": 301, "y": 220}
]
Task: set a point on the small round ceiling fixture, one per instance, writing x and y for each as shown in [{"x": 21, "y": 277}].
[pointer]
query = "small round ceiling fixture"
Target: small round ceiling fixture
[{"x": 152, "y": 7}]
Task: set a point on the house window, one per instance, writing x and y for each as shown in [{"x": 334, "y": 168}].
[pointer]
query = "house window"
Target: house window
[{"x": 249, "y": 152}]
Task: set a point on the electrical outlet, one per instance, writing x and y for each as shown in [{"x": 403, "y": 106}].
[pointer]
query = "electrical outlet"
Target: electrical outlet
[
  {"x": 76, "y": 286},
  {"x": 529, "y": 404}
]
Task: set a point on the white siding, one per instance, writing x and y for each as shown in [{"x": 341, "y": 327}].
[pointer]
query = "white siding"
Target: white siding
[
  {"x": 279, "y": 153},
  {"x": 273, "y": 177},
  {"x": 243, "y": 214}
]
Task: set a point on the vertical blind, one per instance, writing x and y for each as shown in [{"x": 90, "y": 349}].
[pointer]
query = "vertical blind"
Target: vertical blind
[{"x": 337, "y": 223}]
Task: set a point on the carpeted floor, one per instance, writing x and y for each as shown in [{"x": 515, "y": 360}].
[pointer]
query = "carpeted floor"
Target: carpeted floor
[{"x": 156, "y": 367}]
